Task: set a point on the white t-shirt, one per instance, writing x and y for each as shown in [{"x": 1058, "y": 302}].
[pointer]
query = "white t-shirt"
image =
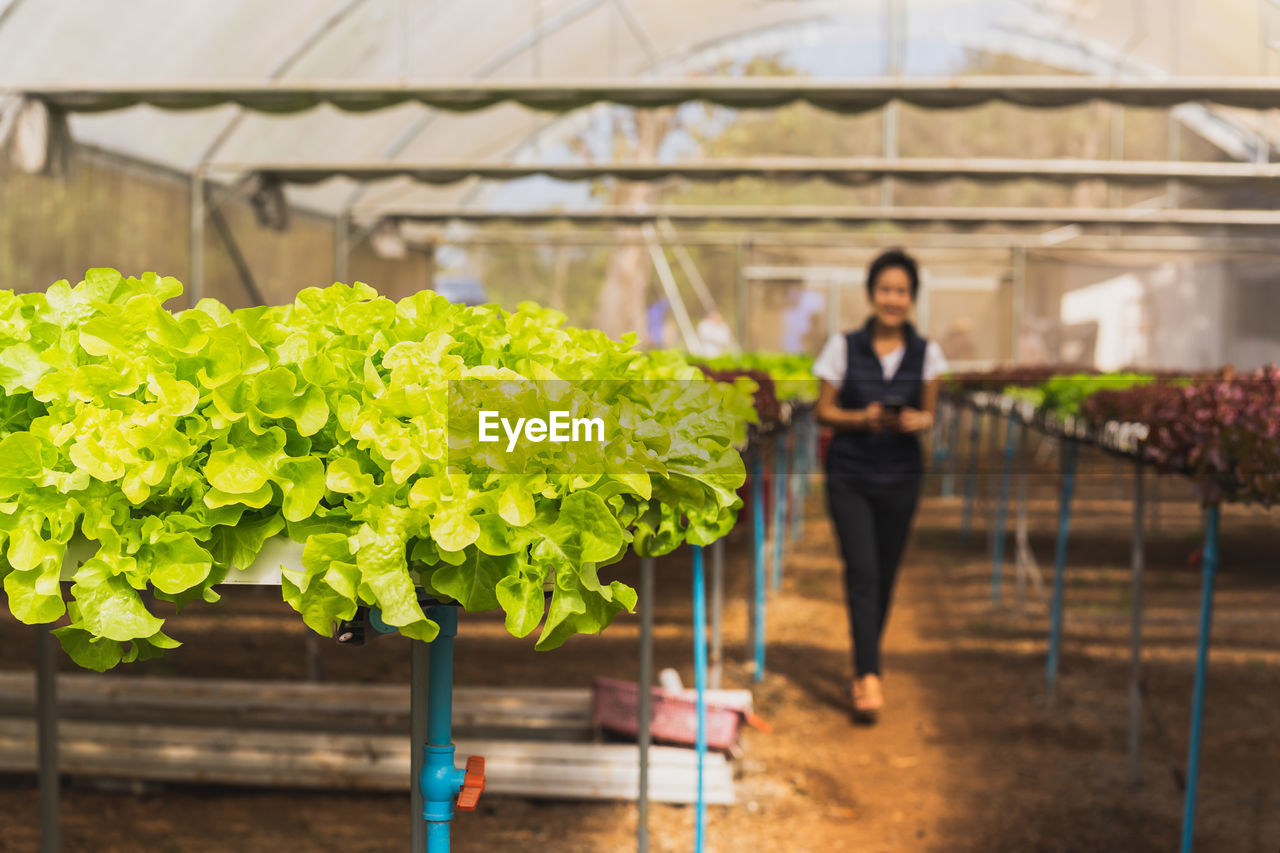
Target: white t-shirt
[{"x": 833, "y": 361}]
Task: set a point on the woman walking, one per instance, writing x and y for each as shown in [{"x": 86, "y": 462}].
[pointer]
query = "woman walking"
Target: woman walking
[{"x": 879, "y": 392}]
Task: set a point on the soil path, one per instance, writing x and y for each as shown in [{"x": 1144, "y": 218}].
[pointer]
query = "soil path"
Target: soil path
[{"x": 967, "y": 757}]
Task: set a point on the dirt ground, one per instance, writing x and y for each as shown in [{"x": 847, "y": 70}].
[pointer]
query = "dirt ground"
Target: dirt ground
[{"x": 969, "y": 755}]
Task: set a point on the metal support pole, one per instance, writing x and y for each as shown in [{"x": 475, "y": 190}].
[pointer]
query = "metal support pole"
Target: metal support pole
[
  {"x": 953, "y": 451},
  {"x": 717, "y": 614},
  {"x": 834, "y": 294},
  {"x": 1060, "y": 564},
  {"x": 1002, "y": 507},
  {"x": 342, "y": 248},
  {"x": 700, "y": 687},
  {"x": 1173, "y": 141},
  {"x": 757, "y": 562},
  {"x": 195, "y": 278},
  {"x": 419, "y": 673},
  {"x": 743, "y": 295},
  {"x": 938, "y": 435},
  {"x": 668, "y": 281},
  {"x": 1137, "y": 557},
  {"x": 1210, "y": 569},
  {"x": 780, "y": 449},
  {"x": 1114, "y": 198},
  {"x": 991, "y": 483},
  {"x": 1026, "y": 563},
  {"x": 971, "y": 478},
  {"x": 889, "y": 114},
  {"x": 47, "y": 735},
  {"x": 799, "y": 473},
  {"x": 1019, "y": 302},
  {"x": 1155, "y": 504},
  {"x": 311, "y": 655},
  {"x": 812, "y": 442},
  {"x": 646, "y": 698}
]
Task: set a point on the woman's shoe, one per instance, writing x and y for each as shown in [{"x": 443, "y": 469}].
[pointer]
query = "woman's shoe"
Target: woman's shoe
[{"x": 868, "y": 698}]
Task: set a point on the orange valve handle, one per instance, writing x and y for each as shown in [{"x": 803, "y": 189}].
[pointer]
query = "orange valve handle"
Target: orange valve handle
[{"x": 472, "y": 784}]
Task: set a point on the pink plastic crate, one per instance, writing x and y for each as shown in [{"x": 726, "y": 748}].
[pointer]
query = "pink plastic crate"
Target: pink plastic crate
[{"x": 615, "y": 707}]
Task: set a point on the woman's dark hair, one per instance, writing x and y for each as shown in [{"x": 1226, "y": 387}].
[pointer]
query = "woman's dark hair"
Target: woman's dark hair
[{"x": 890, "y": 259}]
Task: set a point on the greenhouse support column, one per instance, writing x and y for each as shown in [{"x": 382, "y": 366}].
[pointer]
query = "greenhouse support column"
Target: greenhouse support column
[
  {"x": 1137, "y": 558},
  {"x": 780, "y": 450},
  {"x": 195, "y": 278},
  {"x": 646, "y": 699},
  {"x": 1060, "y": 564},
  {"x": 757, "y": 561},
  {"x": 700, "y": 687},
  {"x": 717, "y": 614},
  {"x": 971, "y": 478},
  {"x": 1210, "y": 569},
  {"x": 1002, "y": 509},
  {"x": 47, "y": 748}
]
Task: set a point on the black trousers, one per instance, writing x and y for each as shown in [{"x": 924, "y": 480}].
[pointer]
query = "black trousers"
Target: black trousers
[{"x": 872, "y": 523}]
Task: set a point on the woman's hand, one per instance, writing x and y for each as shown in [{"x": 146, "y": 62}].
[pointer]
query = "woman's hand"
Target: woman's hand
[
  {"x": 914, "y": 420},
  {"x": 876, "y": 419}
]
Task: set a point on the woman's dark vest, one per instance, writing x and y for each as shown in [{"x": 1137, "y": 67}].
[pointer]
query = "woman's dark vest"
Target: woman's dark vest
[{"x": 887, "y": 458}]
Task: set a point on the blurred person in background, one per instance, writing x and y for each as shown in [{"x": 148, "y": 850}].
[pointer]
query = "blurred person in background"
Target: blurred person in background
[{"x": 879, "y": 393}]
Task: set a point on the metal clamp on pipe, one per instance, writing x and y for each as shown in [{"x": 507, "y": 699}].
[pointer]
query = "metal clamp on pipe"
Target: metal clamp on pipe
[{"x": 365, "y": 624}]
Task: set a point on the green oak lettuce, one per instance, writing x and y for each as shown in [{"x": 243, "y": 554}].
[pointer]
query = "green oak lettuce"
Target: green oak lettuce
[{"x": 175, "y": 444}]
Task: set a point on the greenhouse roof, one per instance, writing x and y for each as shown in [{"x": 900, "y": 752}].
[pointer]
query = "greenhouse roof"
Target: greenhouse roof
[
  {"x": 852, "y": 171},
  {"x": 275, "y": 82},
  {"x": 559, "y": 95}
]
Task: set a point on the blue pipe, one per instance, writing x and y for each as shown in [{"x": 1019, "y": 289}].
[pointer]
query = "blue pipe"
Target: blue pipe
[
  {"x": 1060, "y": 564},
  {"x": 1210, "y": 568},
  {"x": 375, "y": 622},
  {"x": 700, "y": 685},
  {"x": 440, "y": 781},
  {"x": 438, "y": 836},
  {"x": 1002, "y": 509},
  {"x": 757, "y": 553},
  {"x": 780, "y": 504},
  {"x": 971, "y": 478}
]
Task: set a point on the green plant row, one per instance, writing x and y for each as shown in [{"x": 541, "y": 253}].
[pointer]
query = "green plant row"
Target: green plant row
[
  {"x": 792, "y": 373},
  {"x": 1063, "y": 395},
  {"x": 178, "y": 443}
]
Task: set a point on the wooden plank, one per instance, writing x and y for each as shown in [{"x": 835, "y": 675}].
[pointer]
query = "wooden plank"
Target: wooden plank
[
  {"x": 563, "y": 713},
  {"x": 363, "y": 762}
]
